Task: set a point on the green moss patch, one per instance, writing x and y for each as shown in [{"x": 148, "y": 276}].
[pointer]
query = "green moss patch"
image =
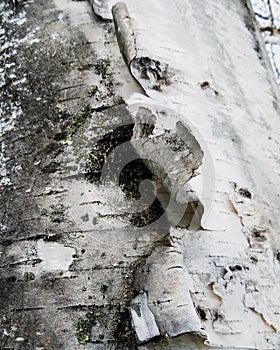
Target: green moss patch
[{"x": 84, "y": 328}]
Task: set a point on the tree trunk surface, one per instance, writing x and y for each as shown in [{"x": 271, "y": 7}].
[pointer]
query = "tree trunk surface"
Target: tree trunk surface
[{"x": 139, "y": 177}]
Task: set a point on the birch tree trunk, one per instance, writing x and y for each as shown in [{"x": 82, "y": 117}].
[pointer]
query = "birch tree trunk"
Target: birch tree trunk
[{"x": 139, "y": 177}]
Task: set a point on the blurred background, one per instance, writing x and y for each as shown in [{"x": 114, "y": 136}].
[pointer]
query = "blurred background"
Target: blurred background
[{"x": 268, "y": 15}]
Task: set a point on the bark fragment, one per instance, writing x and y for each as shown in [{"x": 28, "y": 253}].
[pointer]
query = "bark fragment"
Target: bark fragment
[
  {"x": 124, "y": 31},
  {"x": 143, "y": 319}
]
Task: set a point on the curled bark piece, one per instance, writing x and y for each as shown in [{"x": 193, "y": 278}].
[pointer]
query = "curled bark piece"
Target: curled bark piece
[
  {"x": 150, "y": 73},
  {"x": 176, "y": 151},
  {"x": 124, "y": 31},
  {"x": 165, "y": 279},
  {"x": 172, "y": 155}
]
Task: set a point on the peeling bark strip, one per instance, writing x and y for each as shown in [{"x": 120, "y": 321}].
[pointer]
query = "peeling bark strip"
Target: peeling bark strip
[
  {"x": 172, "y": 157},
  {"x": 124, "y": 31},
  {"x": 150, "y": 73},
  {"x": 163, "y": 282}
]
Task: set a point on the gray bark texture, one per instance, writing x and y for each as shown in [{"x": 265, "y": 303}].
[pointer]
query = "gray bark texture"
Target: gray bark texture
[{"x": 139, "y": 177}]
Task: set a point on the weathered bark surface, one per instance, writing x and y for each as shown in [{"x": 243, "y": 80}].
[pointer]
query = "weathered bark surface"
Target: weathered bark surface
[{"x": 86, "y": 255}]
